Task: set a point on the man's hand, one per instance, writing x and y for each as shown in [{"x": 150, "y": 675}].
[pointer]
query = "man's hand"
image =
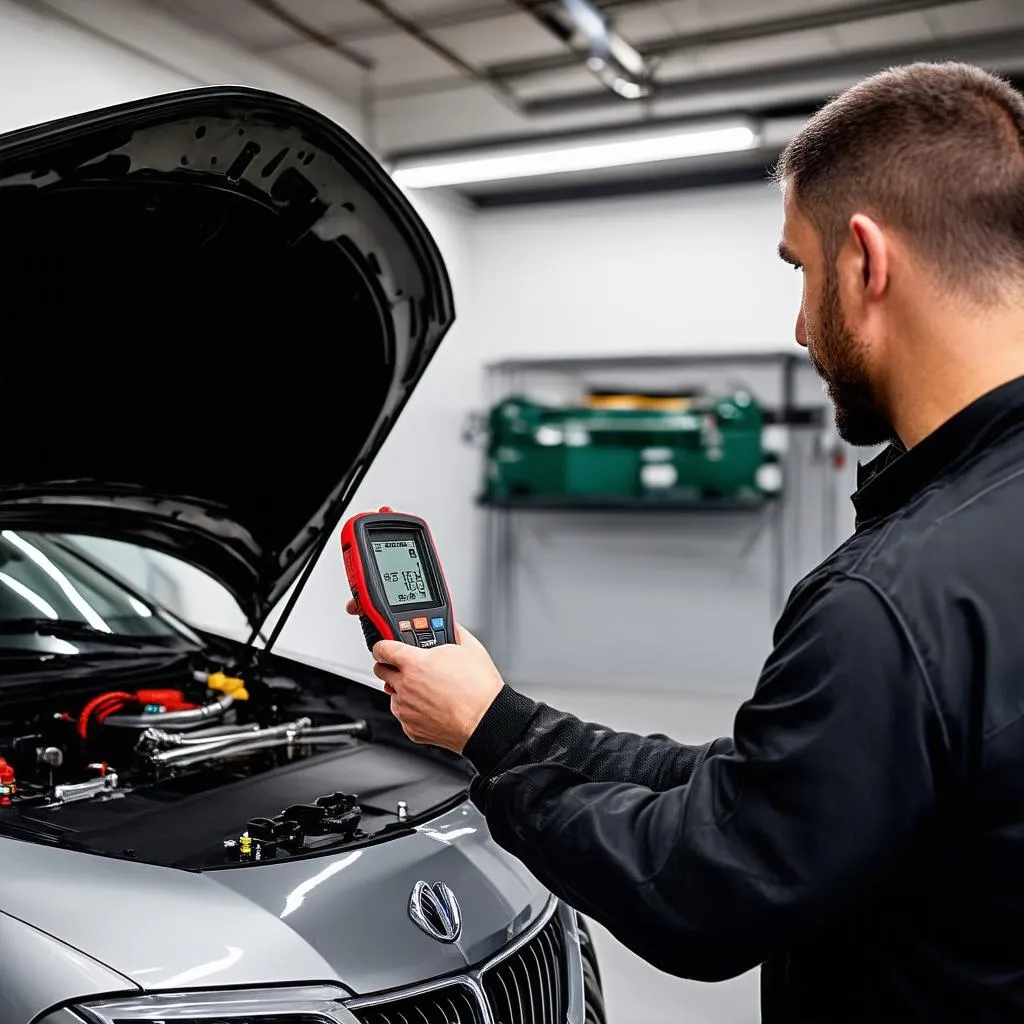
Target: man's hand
[{"x": 438, "y": 695}]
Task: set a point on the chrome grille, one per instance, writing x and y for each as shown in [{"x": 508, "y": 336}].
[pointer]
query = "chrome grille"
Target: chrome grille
[
  {"x": 530, "y": 985},
  {"x": 454, "y": 1004}
]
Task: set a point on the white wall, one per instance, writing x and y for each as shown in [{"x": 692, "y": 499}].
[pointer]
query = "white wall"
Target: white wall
[{"x": 678, "y": 271}]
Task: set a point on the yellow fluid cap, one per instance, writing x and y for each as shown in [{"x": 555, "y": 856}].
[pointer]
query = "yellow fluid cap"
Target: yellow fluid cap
[{"x": 228, "y": 684}]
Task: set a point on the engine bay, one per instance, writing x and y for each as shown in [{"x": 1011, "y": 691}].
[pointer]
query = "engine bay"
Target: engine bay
[{"x": 201, "y": 765}]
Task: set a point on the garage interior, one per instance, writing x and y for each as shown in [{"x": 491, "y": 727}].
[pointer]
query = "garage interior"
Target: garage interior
[{"x": 635, "y": 579}]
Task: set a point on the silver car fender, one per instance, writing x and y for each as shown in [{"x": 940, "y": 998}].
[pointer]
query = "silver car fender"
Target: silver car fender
[{"x": 38, "y": 971}]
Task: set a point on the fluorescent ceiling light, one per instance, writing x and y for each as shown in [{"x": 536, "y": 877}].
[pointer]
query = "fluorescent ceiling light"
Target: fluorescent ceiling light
[{"x": 625, "y": 149}]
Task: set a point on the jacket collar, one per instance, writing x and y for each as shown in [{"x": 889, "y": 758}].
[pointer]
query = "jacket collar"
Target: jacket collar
[{"x": 893, "y": 477}]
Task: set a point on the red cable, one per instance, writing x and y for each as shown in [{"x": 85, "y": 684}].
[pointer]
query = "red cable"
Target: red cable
[
  {"x": 103, "y": 698},
  {"x": 111, "y": 708},
  {"x": 116, "y": 700},
  {"x": 101, "y": 710}
]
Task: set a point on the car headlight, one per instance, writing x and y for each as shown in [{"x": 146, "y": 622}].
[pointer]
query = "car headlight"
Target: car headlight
[{"x": 319, "y": 1004}]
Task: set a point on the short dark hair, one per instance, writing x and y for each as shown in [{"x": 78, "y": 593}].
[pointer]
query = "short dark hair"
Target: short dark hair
[{"x": 935, "y": 151}]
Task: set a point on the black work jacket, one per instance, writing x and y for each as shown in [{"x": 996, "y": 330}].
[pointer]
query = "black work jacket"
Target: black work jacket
[{"x": 861, "y": 833}]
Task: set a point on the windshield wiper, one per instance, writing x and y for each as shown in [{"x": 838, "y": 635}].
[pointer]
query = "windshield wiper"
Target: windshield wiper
[{"x": 68, "y": 629}]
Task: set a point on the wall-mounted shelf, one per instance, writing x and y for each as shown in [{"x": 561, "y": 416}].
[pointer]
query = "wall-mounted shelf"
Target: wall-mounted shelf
[{"x": 788, "y": 391}]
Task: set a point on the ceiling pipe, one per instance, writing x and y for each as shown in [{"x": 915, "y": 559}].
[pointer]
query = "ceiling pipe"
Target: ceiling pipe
[{"x": 615, "y": 63}]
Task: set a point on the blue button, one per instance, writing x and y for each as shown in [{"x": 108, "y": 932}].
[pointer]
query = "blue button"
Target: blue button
[{"x": 437, "y": 623}]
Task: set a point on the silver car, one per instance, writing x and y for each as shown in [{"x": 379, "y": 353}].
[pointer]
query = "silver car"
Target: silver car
[{"x": 215, "y": 305}]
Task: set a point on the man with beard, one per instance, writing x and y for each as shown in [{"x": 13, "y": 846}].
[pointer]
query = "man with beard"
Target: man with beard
[{"x": 861, "y": 833}]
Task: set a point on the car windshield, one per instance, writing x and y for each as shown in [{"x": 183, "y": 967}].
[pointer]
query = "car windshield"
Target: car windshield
[{"x": 52, "y": 599}]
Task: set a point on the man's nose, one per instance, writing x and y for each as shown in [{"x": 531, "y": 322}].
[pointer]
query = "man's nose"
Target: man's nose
[{"x": 801, "y": 329}]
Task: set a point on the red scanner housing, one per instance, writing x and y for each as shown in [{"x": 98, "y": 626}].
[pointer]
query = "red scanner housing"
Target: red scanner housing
[{"x": 396, "y": 579}]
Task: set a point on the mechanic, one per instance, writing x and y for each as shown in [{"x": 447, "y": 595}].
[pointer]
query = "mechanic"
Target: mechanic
[{"x": 861, "y": 834}]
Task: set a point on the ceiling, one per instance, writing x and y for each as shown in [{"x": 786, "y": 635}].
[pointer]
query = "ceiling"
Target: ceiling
[{"x": 437, "y": 75}]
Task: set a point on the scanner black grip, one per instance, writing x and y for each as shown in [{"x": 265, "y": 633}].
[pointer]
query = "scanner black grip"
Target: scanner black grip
[{"x": 370, "y": 632}]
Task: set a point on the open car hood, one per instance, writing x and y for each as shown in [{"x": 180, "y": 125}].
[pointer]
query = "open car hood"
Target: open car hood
[{"x": 214, "y": 305}]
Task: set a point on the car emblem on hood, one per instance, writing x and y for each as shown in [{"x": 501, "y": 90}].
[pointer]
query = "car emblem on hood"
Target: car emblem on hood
[{"x": 435, "y": 910}]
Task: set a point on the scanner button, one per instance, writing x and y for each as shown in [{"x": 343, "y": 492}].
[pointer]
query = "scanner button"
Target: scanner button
[
  {"x": 404, "y": 625},
  {"x": 437, "y": 623},
  {"x": 420, "y": 623},
  {"x": 439, "y": 636}
]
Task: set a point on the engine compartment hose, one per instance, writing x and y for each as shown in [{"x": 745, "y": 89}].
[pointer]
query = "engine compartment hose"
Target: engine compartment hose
[{"x": 173, "y": 719}]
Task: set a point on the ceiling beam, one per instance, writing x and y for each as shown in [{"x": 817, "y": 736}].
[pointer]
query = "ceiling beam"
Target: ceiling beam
[
  {"x": 311, "y": 34},
  {"x": 416, "y": 31},
  {"x": 801, "y": 109},
  {"x": 740, "y": 33}
]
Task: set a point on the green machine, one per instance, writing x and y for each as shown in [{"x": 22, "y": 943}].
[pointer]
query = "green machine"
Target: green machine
[{"x": 630, "y": 448}]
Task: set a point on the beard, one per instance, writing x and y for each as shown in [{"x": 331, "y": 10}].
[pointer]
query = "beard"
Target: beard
[{"x": 839, "y": 359}]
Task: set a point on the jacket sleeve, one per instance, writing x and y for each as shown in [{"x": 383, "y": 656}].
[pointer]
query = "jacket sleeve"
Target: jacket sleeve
[
  {"x": 516, "y": 731},
  {"x": 833, "y": 769}
]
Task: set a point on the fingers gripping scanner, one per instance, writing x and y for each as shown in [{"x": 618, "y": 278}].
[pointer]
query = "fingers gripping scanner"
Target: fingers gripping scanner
[{"x": 396, "y": 579}]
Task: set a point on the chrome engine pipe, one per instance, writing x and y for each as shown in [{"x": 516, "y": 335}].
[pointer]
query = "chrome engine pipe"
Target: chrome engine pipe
[
  {"x": 210, "y": 731},
  {"x": 300, "y": 731},
  {"x": 173, "y": 719},
  {"x": 70, "y": 791},
  {"x": 161, "y": 738},
  {"x": 181, "y": 746},
  {"x": 186, "y": 756},
  {"x": 356, "y": 728}
]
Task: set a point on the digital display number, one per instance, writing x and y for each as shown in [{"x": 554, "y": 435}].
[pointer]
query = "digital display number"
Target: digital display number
[{"x": 401, "y": 571}]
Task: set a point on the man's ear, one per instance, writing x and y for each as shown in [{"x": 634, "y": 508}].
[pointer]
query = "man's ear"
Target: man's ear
[{"x": 864, "y": 260}]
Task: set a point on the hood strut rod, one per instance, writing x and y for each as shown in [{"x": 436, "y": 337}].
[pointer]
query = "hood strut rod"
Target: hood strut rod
[{"x": 303, "y": 579}]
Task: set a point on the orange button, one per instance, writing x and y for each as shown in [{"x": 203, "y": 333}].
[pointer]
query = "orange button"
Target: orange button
[
  {"x": 404, "y": 625},
  {"x": 419, "y": 623}
]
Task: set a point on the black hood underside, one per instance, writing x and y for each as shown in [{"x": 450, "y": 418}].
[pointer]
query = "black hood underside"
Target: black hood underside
[{"x": 214, "y": 306}]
